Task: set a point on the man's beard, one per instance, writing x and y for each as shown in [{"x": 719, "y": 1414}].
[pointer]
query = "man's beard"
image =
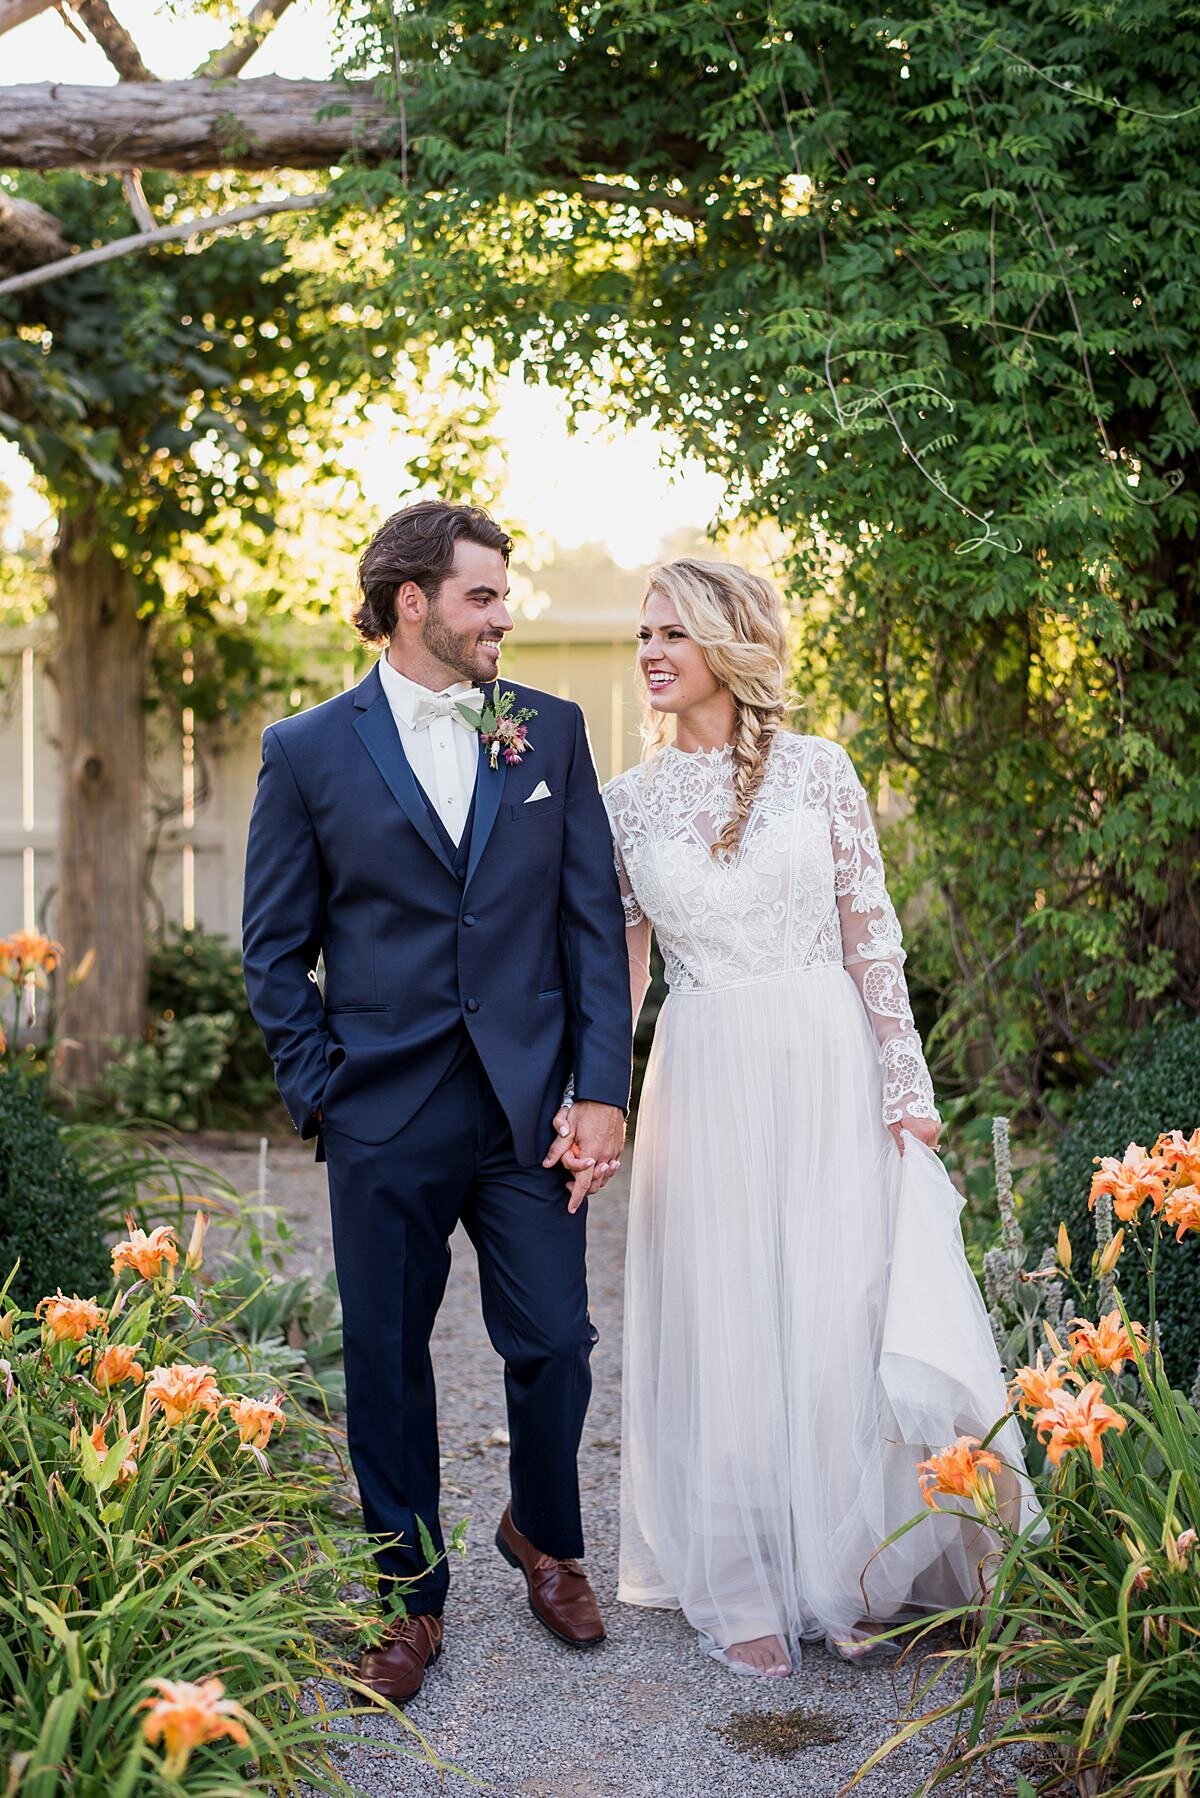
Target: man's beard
[{"x": 456, "y": 649}]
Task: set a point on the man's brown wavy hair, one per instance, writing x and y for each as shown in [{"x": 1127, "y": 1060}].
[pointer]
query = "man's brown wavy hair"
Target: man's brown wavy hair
[{"x": 417, "y": 544}]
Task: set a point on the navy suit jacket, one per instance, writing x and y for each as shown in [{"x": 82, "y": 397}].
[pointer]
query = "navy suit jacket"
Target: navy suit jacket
[{"x": 528, "y": 953}]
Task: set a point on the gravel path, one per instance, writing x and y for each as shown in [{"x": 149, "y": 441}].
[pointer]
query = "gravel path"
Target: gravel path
[{"x": 524, "y": 1715}]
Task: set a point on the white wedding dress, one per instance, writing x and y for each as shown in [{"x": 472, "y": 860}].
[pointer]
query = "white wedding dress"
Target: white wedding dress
[{"x": 801, "y": 1327}]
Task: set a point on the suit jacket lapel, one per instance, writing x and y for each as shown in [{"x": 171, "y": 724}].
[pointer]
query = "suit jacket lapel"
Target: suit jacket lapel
[
  {"x": 377, "y": 729},
  {"x": 489, "y": 789}
]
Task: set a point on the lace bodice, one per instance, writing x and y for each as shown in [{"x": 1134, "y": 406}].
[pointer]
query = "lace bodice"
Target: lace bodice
[{"x": 804, "y": 890}]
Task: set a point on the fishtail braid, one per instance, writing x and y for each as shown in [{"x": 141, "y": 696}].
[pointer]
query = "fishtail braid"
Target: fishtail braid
[{"x": 753, "y": 734}]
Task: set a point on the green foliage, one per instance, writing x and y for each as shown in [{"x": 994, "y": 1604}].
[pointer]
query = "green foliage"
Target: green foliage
[
  {"x": 129, "y": 1173},
  {"x": 919, "y": 285},
  {"x": 196, "y": 407},
  {"x": 166, "y": 1551},
  {"x": 170, "y": 1074},
  {"x": 49, "y": 1217},
  {"x": 1157, "y": 1089},
  {"x": 289, "y": 1325},
  {"x": 194, "y": 974},
  {"x": 170, "y": 392}
]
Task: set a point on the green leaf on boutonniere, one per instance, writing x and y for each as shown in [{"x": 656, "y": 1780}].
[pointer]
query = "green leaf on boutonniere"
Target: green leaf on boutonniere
[{"x": 474, "y": 718}]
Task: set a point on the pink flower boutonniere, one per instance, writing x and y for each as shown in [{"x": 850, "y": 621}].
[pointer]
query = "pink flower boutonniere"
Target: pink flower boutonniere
[{"x": 502, "y": 731}]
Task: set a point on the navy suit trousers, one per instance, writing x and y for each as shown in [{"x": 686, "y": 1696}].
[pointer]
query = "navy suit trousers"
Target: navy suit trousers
[{"x": 394, "y": 1207}]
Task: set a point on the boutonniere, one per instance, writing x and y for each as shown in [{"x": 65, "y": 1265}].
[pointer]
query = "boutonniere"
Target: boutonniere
[{"x": 502, "y": 731}]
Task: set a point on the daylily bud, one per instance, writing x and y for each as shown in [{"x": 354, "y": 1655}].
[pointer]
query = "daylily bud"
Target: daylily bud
[
  {"x": 1178, "y": 1546},
  {"x": 1064, "y": 1249},
  {"x": 1056, "y": 1347},
  {"x": 7, "y": 1323},
  {"x": 1112, "y": 1252},
  {"x": 195, "y": 1249},
  {"x": 82, "y": 969}
]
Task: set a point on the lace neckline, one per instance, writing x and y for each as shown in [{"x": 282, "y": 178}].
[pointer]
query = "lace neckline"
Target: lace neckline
[{"x": 719, "y": 754}]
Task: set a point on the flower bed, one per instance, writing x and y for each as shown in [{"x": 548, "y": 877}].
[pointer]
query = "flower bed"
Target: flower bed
[
  {"x": 1083, "y": 1644},
  {"x": 171, "y": 1591}
]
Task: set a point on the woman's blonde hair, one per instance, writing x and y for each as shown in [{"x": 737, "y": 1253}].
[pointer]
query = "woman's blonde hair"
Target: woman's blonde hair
[{"x": 737, "y": 621}]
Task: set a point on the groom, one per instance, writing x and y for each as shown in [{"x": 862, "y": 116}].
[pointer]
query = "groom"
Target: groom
[{"x": 454, "y": 872}]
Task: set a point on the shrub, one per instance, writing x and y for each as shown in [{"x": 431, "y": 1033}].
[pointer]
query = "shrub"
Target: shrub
[
  {"x": 195, "y": 974},
  {"x": 170, "y": 1075},
  {"x": 145, "y": 1538},
  {"x": 1083, "y": 1640},
  {"x": 48, "y": 1213},
  {"x": 1159, "y": 1082},
  {"x": 202, "y": 1061}
]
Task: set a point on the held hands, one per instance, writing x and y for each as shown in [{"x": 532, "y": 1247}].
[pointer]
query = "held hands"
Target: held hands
[
  {"x": 926, "y": 1130},
  {"x": 587, "y": 1143}
]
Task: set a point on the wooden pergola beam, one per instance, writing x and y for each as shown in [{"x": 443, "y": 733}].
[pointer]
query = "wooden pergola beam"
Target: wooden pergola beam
[{"x": 195, "y": 126}]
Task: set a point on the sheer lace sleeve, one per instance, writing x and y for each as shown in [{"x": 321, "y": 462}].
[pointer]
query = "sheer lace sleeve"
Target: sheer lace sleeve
[
  {"x": 637, "y": 936},
  {"x": 872, "y": 949},
  {"x": 621, "y": 810}
]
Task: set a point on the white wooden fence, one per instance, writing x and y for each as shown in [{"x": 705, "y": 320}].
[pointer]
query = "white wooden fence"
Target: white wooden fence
[{"x": 201, "y": 784}]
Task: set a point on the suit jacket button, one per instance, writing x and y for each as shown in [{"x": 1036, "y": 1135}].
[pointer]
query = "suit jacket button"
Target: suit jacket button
[
  {"x": 472, "y": 1004},
  {"x": 469, "y": 919}
]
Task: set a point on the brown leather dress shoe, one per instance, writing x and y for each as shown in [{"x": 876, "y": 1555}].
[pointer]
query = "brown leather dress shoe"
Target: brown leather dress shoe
[
  {"x": 560, "y": 1595},
  {"x": 396, "y": 1669}
]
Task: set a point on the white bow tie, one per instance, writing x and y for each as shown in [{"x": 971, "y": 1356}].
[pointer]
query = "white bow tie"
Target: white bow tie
[{"x": 445, "y": 705}]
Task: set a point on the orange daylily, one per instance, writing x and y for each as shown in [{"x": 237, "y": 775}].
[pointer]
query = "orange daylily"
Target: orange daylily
[
  {"x": 1183, "y": 1208},
  {"x": 964, "y": 1470},
  {"x": 185, "y": 1715},
  {"x": 1130, "y": 1181},
  {"x": 116, "y": 1364},
  {"x": 1106, "y": 1344},
  {"x": 1182, "y": 1154},
  {"x": 146, "y": 1254},
  {"x": 181, "y": 1390},
  {"x": 1034, "y": 1387},
  {"x": 69, "y": 1320},
  {"x": 255, "y": 1418},
  {"x": 26, "y": 952},
  {"x": 1077, "y": 1420}
]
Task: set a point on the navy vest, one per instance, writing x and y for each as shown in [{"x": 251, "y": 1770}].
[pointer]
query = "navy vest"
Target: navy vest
[
  {"x": 458, "y": 855},
  {"x": 463, "y": 1049}
]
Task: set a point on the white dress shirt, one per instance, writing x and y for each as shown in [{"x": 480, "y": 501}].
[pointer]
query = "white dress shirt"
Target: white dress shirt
[{"x": 443, "y": 754}]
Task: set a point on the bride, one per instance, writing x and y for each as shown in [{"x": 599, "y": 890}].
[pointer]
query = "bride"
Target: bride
[{"x": 801, "y": 1324}]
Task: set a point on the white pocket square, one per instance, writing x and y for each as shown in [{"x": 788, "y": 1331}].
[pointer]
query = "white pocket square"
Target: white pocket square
[{"x": 541, "y": 791}]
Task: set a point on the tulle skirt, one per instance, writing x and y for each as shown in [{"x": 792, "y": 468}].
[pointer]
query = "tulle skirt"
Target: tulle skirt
[{"x": 801, "y": 1329}]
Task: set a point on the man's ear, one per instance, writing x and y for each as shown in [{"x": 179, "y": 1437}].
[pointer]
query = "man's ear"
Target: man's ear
[{"x": 410, "y": 603}]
